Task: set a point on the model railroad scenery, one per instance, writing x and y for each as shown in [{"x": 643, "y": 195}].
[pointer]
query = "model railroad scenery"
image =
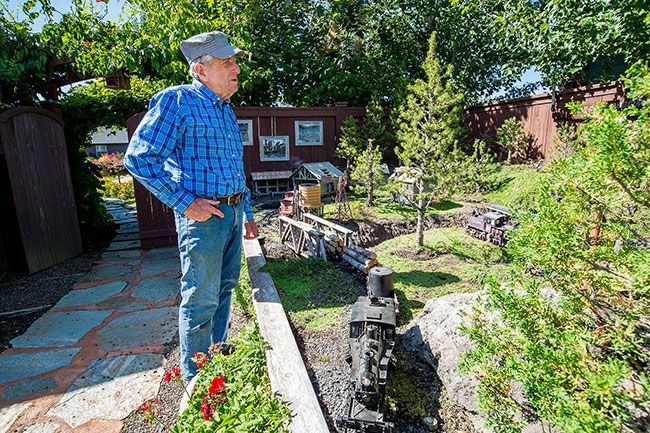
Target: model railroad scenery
[
  {"x": 451, "y": 207},
  {"x": 353, "y": 286}
]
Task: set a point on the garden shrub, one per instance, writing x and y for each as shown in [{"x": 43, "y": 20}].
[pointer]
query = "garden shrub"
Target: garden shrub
[
  {"x": 114, "y": 189},
  {"x": 576, "y": 337}
]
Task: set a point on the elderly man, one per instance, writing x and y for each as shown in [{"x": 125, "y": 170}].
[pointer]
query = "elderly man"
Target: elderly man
[{"x": 188, "y": 152}]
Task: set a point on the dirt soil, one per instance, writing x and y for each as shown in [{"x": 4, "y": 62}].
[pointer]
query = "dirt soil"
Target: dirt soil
[
  {"x": 325, "y": 352},
  {"x": 22, "y": 291}
]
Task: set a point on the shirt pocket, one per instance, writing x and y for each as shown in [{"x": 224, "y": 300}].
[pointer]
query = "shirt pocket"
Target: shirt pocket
[{"x": 206, "y": 143}]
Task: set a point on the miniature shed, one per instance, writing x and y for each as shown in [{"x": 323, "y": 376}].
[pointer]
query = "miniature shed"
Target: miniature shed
[
  {"x": 270, "y": 182},
  {"x": 405, "y": 177},
  {"x": 322, "y": 173}
]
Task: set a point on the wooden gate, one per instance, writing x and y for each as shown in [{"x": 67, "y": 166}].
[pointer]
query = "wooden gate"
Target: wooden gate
[{"x": 39, "y": 218}]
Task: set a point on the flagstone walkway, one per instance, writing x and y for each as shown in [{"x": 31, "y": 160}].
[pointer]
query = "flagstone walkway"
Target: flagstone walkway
[{"x": 98, "y": 353}]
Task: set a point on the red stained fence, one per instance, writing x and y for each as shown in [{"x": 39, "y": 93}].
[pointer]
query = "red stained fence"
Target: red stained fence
[
  {"x": 156, "y": 221},
  {"x": 38, "y": 218},
  {"x": 541, "y": 114}
]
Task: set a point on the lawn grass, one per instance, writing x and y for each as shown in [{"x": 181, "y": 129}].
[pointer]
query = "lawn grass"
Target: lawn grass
[
  {"x": 515, "y": 186},
  {"x": 313, "y": 291},
  {"x": 454, "y": 262}
]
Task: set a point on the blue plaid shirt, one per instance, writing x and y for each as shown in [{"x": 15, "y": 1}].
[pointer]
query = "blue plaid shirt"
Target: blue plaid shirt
[{"x": 188, "y": 145}]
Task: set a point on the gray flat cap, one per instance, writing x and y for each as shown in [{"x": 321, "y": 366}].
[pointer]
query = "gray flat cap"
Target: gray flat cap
[{"x": 214, "y": 43}]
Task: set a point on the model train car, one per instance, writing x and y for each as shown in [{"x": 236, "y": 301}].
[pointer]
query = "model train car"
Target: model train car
[
  {"x": 372, "y": 339},
  {"x": 491, "y": 224}
]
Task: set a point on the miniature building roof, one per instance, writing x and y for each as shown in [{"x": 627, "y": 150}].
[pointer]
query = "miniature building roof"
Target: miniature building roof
[
  {"x": 321, "y": 169},
  {"x": 405, "y": 174},
  {"x": 493, "y": 215},
  {"x": 268, "y": 175}
]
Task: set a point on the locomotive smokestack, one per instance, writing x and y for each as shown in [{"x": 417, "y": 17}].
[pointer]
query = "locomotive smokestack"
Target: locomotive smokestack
[{"x": 380, "y": 282}]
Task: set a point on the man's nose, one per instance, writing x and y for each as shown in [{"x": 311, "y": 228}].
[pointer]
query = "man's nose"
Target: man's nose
[{"x": 236, "y": 69}]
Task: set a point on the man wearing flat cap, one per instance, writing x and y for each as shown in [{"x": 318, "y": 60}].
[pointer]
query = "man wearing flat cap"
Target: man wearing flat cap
[{"x": 188, "y": 152}]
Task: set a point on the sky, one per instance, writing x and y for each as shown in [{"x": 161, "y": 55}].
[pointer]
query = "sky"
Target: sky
[{"x": 114, "y": 7}]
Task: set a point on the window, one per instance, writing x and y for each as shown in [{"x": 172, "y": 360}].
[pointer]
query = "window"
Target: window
[
  {"x": 101, "y": 148},
  {"x": 309, "y": 132},
  {"x": 274, "y": 148},
  {"x": 246, "y": 131}
]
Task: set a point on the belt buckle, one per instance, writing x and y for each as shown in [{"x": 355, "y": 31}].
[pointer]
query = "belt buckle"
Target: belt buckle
[{"x": 231, "y": 200}]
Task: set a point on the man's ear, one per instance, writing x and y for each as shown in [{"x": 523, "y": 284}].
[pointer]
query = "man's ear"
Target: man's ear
[{"x": 199, "y": 68}]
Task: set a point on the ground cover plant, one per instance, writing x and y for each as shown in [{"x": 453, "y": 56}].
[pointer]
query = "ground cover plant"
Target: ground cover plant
[
  {"x": 451, "y": 262},
  {"x": 313, "y": 291}
]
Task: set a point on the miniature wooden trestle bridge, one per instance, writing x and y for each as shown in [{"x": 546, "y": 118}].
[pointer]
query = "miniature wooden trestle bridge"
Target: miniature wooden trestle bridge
[{"x": 317, "y": 237}]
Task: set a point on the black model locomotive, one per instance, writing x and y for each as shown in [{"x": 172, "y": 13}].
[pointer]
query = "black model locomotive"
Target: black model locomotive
[
  {"x": 372, "y": 339},
  {"x": 491, "y": 224}
]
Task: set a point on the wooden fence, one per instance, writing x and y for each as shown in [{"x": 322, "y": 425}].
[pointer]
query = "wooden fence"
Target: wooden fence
[
  {"x": 38, "y": 220},
  {"x": 541, "y": 114},
  {"x": 156, "y": 221}
]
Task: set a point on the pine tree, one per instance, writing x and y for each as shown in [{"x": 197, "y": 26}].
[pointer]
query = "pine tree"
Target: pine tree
[
  {"x": 351, "y": 143},
  {"x": 429, "y": 127},
  {"x": 375, "y": 127},
  {"x": 367, "y": 171}
]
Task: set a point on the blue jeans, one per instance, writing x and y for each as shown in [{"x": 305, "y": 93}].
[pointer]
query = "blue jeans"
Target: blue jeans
[{"x": 210, "y": 263}]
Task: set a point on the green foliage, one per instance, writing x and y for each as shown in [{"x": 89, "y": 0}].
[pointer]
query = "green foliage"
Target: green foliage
[
  {"x": 429, "y": 128},
  {"x": 115, "y": 189},
  {"x": 368, "y": 172},
  {"x": 250, "y": 406},
  {"x": 511, "y": 138},
  {"x": 576, "y": 340},
  {"x": 243, "y": 291},
  {"x": 313, "y": 291},
  {"x": 375, "y": 127},
  {"x": 588, "y": 32},
  {"x": 516, "y": 189},
  {"x": 84, "y": 109},
  {"x": 23, "y": 75},
  {"x": 351, "y": 142}
]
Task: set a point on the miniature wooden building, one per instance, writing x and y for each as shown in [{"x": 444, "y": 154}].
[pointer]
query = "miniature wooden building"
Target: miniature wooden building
[
  {"x": 322, "y": 173},
  {"x": 271, "y": 182},
  {"x": 406, "y": 178}
]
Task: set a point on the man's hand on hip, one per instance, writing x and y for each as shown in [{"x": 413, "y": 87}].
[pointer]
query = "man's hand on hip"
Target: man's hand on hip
[
  {"x": 251, "y": 229},
  {"x": 202, "y": 209}
]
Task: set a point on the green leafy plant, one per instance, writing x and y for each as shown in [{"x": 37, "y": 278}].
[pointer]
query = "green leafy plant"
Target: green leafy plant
[
  {"x": 233, "y": 393},
  {"x": 576, "y": 338},
  {"x": 511, "y": 138},
  {"x": 114, "y": 189},
  {"x": 368, "y": 171}
]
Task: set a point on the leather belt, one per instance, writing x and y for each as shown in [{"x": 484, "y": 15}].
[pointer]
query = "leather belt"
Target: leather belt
[{"x": 229, "y": 200}]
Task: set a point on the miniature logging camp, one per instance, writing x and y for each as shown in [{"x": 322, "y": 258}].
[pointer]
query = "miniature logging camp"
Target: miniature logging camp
[{"x": 373, "y": 321}]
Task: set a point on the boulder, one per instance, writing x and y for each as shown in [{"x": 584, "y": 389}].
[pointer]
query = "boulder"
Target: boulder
[{"x": 435, "y": 332}]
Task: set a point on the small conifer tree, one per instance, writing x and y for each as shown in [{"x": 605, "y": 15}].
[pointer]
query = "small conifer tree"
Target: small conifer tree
[
  {"x": 367, "y": 171},
  {"x": 351, "y": 143},
  {"x": 428, "y": 131}
]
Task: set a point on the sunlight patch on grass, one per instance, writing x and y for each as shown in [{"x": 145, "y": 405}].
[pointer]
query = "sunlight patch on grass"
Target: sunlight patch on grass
[
  {"x": 452, "y": 262},
  {"x": 313, "y": 291}
]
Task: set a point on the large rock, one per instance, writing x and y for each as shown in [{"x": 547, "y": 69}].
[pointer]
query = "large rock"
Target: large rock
[{"x": 435, "y": 330}]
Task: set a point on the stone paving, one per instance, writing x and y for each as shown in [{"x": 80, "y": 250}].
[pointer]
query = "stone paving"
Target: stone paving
[{"x": 98, "y": 353}]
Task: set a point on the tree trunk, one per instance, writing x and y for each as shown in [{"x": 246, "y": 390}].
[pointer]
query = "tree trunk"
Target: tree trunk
[{"x": 419, "y": 229}]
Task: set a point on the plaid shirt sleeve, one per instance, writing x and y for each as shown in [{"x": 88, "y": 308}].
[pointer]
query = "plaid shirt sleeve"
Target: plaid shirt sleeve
[
  {"x": 152, "y": 144},
  {"x": 248, "y": 210}
]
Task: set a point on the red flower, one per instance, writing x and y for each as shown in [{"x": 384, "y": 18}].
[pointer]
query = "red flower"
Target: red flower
[
  {"x": 174, "y": 373},
  {"x": 217, "y": 385},
  {"x": 200, "y": 359},
  {"x": 206, "y": 408},
  {"x": 149, "y": 409}
]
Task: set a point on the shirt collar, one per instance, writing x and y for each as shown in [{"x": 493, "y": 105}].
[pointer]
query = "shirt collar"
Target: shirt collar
[{"x": 203, "y": 89}]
